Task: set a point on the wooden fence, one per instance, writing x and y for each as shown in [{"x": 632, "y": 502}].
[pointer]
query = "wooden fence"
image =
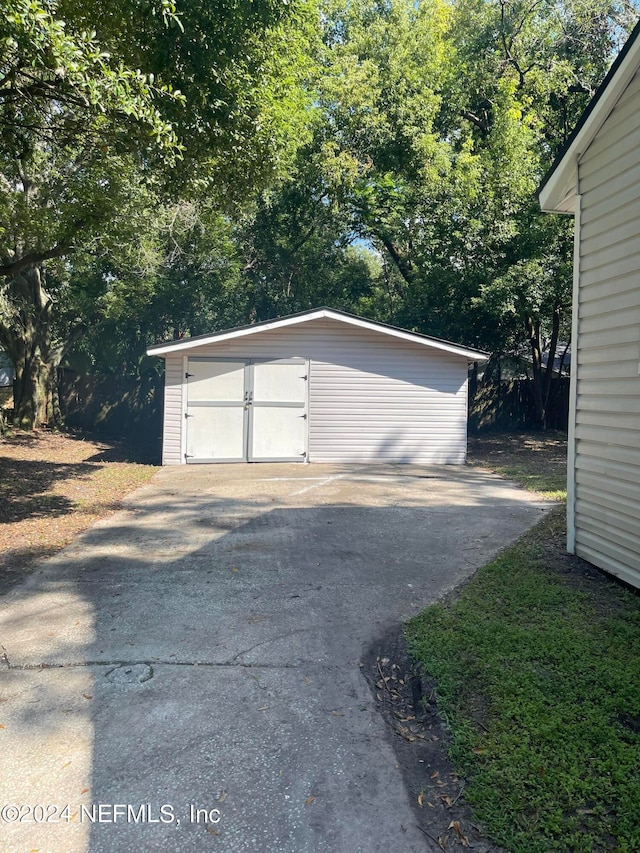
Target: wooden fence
[
  {"x": 509, "y": 406},
  {"x": 128, "y": 408}
]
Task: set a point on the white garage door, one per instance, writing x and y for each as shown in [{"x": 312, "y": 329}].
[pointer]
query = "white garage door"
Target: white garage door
[{"x": 246, "y": 410}]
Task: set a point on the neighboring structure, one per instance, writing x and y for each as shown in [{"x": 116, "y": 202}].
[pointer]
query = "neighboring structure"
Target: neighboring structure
[
  {"x": 320, "y": 386},
  {"x": 597, "y": 179},
  {"x": 7, "y": 373}
]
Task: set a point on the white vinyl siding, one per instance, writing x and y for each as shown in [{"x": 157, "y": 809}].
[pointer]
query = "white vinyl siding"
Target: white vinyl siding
[
  {"x": 607, "y": 420},
  {"x": 172, "y": 453},
  {"x": 372, "y": 397}
]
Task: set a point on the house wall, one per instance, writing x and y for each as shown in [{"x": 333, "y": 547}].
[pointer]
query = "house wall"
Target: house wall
[
  {"x": 372, "y": 397},
  {"x": 607, "y": 363}
]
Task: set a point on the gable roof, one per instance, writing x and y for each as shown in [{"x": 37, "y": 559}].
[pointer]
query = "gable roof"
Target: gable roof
[
  {"x": 317, "y": 314},
  {"x": 558, "y": 190}
]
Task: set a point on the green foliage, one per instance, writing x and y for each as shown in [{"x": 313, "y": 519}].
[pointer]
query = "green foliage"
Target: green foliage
[
  {"x": 175, "y": 167},
  {"x": 108, "y": 117},
  {"x": 538, "y": 679}
]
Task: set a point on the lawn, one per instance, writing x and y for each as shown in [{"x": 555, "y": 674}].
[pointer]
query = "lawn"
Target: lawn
[
  {"x": 537, "y": 662},
  {"x": 52, "y": 486}
]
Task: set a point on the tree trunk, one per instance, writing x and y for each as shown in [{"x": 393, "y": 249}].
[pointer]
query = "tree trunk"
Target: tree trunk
[
  {"x": 26, "y": 335},
  {"x": 535, "y": 342},
  {"x": 542, "y": 377}
]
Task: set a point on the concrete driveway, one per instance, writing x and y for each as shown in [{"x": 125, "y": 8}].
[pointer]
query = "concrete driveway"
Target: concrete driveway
[{"x": 185, "y": 675}]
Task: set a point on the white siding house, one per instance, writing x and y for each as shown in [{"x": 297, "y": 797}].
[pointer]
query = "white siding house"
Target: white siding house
[
  {"x": 320, "y": 386},
  {"x": 597, "y": 179}
]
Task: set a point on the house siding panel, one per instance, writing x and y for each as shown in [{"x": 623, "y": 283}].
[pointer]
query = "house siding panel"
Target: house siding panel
[
  {"x": 173, "y": 418},
  {"x": 371, "y": 397},
  {"x": 607, "y": 504}
]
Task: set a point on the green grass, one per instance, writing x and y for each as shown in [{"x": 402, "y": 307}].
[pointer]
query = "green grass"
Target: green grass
[
  {"x": 549, "y": 483},
  {"x": 538, "y": 672}
]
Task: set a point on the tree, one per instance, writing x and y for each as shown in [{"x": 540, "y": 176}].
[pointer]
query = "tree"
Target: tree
[
  {"x": 441, "y": 122},
  {"x": 530, "y": 71},
  {"x": 87, "y": 140}
]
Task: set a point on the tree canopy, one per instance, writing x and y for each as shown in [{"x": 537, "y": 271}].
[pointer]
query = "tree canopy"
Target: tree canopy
[{"x": 168, "y": 168}]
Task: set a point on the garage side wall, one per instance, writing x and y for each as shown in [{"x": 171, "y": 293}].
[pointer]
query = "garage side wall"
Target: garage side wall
[
  {"x": 607, "y": 420},
  {"x": 372, "y": 397},
  {"x": 172, "y": 453}
]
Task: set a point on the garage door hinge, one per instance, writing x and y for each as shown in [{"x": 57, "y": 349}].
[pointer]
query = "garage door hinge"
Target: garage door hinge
[
  {"x": 188, "y": 455},
  {"x": 187, "y": 415},
  {"x": 188, "y": 375}
]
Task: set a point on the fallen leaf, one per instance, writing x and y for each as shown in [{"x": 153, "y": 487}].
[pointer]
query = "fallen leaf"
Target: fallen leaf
[
  {"x": 421, "y": 800},
  {"x": 337, "y": 714},
  {"x": 435, "y": 774},
  {"x": 447, "y": 800},
  {"x": 68, "y": 764},
  {"x": 212, "y": 831},
  {"x": 264, "y": 708},
  {"x": 2, "y": 727},
  {"x": 84, "y": 790},
  {"x": 307, "y": 680},
  {"x": 222, "y": 796},
  {"x": 479, "y": 750},
  {"x": 309, "y": 800},
  {"x": 455, "y": 825},
  {"x": 87, "y": 696},
  {"x": 234, "y": 569}
]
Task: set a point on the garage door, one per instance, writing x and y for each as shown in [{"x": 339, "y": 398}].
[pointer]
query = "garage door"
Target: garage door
[{"x": 246, "y": 410}]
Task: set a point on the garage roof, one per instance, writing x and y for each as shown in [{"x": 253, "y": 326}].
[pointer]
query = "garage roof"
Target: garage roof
[
  {"x": 317, "y": 314},
  {"x": 558, "y": 190}
]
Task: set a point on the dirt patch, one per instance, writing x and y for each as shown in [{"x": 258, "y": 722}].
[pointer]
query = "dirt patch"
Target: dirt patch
[
  {"x": 549, "y": 446},
  {"x": 52, "y": 486},
  {"x": 407, "y": 700}
]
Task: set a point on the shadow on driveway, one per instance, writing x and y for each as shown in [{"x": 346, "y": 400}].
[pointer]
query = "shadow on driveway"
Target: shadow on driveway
[{"x": 197, "y": 657}]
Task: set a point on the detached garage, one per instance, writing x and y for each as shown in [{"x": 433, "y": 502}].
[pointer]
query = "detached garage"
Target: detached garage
[{"x": 320, "y": 386}]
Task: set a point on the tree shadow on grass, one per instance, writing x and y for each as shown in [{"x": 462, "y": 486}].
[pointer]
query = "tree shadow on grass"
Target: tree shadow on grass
[{"x": 25, "y": 486}]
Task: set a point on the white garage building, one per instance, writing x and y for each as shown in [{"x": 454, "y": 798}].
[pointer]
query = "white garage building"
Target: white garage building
[{"x": 320, "y": 386}]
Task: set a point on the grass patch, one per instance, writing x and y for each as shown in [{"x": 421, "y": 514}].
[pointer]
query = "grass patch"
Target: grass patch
[
  {"x": 537, "y": 462},
  {"x": 548, "y": 483},
  {"x": 537, "y": 661},
  {"x": 52, "y": 486}
]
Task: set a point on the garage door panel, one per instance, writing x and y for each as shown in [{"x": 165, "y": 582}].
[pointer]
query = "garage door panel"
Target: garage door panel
[
  {"x": 277, "y": 433},
  {"x": 242, "y": 410},
  {"x": 215, "y": 434},
  {"x": 279, "y": 381},
  {"x": 221, "y": 381}
]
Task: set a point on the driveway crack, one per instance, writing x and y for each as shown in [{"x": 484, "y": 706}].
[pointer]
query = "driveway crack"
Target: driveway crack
[
  {"x": 266, "y": 642},
  {"x": 230, "y": 664}
]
